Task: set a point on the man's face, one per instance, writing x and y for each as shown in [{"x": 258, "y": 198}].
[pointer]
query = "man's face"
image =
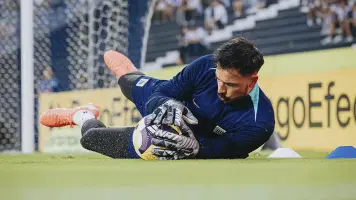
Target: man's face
[
  {"x": 232, "y": 85},
  {"x": 47, "y": 74}
]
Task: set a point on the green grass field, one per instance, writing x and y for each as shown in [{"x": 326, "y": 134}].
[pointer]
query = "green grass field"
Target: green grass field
[{"x": 52, "y": 177}]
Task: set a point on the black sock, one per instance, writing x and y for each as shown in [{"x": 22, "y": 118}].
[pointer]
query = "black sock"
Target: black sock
[{"x": 112, "y": 142}]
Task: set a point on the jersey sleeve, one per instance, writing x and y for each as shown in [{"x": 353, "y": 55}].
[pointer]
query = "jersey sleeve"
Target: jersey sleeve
[
  {"x": 181, "y": 87},
  {"x": 233, "y": 145}
]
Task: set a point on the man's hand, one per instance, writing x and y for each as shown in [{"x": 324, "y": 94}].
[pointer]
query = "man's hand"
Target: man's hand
[
  {"x": 173, "y": 113},
  {"x": 178, "y": 146}
]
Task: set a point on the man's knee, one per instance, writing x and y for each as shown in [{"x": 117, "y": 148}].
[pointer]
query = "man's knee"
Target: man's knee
[
  {"x": 127, "y": 81},
  {"x": 91, "y": 123}
]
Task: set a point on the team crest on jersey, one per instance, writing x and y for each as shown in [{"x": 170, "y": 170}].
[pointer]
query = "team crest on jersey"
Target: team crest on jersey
[
  {"x": 142, "y": 82},
  {"x": 218, "y": 130}
]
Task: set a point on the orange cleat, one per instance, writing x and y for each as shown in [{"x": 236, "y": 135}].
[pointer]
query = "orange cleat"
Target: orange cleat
[
  {"x": 118, "y": 63},
  {"x": 58, "y": 117}
]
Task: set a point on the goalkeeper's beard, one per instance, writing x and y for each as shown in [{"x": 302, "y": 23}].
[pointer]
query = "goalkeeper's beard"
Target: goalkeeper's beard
[{"x": 223, "y": 98}]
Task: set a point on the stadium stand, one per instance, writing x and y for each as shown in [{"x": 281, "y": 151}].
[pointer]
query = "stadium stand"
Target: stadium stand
[{"x": 277, "y": 29}]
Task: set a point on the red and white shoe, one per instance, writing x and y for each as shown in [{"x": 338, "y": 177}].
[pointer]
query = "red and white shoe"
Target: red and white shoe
[{"x": 58, "y": 117}]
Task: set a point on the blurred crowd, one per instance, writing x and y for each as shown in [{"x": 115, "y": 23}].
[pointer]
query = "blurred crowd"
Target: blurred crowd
[
  {"x": 337, "y": 18},
  {"x": 214, "y": 13}
]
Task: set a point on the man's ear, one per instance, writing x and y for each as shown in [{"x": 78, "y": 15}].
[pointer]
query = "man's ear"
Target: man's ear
[{"x": 254, "y": 79}]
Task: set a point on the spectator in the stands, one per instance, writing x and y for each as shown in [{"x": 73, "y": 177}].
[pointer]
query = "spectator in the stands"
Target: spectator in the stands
[
  {"x": 194, "y": 7},
  {"x": 215, "y": 16},
  {"x": 327, "y": 18},
  {"x": 205, "y": 3},
  {"x": 180, "y": 14},
  {"x": 163, "y": 11},
  {"x": 192, "y": 43},
  {"x": 238, "y": 7},
  {"x": 255, "y": 5},
  {"x": 241, "y": 6},
  {"x": 172, "y": 6},
  {"x": 352, "y": 18},
  {"x": 48, "y": 83},
  {"x": 183, "y": 44},
  {"x": 196, "y": 39},
  {"x": 188, "y": 11},
  {"x": 342, "y": 15},
  {"x": 259, "y": 4},
  {"x": 314, "y": 12},
  {"x": 339, "y": 14}
]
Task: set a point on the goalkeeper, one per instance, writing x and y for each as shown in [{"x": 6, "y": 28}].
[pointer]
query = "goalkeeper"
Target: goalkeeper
[{"x": 215, "y": 101}]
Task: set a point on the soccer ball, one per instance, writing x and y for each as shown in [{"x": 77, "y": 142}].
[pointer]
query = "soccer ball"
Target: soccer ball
[{"x": 141, "y": 139}]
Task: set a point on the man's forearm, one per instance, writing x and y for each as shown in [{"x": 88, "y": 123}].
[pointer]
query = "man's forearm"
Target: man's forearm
[{"x": 155, "y": 101}]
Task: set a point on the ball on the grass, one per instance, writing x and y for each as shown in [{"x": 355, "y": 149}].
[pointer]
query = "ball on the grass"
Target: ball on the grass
[{"x": 141, "y": 139}]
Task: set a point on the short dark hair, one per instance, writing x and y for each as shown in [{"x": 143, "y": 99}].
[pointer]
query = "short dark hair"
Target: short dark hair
[{"x": 240, "y": 54}]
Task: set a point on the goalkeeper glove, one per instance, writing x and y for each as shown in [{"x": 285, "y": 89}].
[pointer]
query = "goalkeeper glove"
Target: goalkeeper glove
[
  {"x": 173, "y": 112},
  {"x": 175, "y": 146}
]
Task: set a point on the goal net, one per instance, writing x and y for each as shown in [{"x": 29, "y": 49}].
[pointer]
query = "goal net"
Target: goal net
[
  {"x": 69, "y": 40},
  {"x": 10, "y": 94}
]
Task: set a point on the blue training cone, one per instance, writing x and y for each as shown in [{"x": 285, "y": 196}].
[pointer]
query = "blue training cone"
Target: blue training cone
[{"x": 343, "y": 152}]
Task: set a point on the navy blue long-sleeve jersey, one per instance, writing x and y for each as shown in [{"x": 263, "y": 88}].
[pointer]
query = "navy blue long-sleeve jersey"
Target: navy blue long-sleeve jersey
[{"x": 230, "y": 130}]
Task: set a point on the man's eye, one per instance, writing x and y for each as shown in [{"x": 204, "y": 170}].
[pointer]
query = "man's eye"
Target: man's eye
[{"x": 231, "y": 85}]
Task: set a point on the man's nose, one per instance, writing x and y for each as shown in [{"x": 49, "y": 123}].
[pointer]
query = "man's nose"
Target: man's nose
[{"x": 221, "y": 87}]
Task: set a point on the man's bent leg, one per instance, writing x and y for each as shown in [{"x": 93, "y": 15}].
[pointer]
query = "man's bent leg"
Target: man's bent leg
[
  {"x": 134, "y": 84},
  {"x": 112, "y": 142},
  {"x": 138, "y": 88},
  {"x": 127, "y": 81}
]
